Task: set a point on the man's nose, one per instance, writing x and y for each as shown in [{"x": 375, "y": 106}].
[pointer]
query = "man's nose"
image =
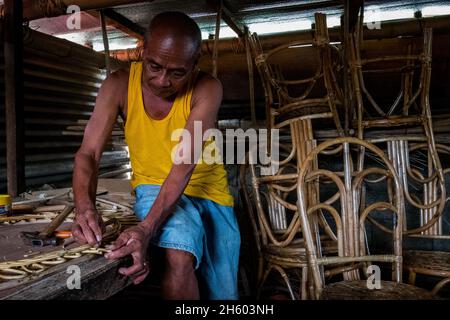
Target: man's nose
[{"x": 163, "y": 80}]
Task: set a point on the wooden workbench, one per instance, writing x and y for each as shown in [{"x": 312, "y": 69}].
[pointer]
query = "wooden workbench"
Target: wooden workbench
[{"x": 99, "y": 277}]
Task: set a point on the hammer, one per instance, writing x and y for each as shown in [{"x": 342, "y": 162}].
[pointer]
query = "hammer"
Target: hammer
[{"x": 47, "y": 237}]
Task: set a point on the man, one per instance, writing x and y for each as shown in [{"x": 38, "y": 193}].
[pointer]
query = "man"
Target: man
[{"x": 185, "y": 209}]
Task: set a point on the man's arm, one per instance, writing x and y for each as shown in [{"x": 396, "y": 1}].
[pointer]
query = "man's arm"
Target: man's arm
[
  {"x": 87, "y": 226},
  {"x": 206, "y": 101}
]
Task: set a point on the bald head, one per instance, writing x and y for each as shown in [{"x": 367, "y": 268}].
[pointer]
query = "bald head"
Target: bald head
[{"x": 174, "y": 27}]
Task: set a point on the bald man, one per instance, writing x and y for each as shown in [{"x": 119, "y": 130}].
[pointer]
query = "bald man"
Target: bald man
[{"x": 185, "y": 208}]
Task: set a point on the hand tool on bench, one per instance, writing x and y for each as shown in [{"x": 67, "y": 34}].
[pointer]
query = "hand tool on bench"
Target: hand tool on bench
[{"x": 48, "y": 236}]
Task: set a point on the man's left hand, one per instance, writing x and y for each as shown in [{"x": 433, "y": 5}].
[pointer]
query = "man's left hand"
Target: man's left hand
[{"x": 133, "y": 241}]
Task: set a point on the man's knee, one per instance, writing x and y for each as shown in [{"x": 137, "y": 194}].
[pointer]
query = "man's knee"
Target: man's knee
[{"x": 179, "y": 263}]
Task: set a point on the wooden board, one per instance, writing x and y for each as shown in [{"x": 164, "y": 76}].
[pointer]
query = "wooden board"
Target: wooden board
[
  {"x": 12, "y": 246},
  {"x": 99, "y": 280},
  {"x": 115, "y": 185}
]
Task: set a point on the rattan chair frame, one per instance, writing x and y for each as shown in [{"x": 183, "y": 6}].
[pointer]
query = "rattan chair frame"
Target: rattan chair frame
[
  {"x": 350, "y": 223},
  {"x": 277, "y": 97},
  {"x": 398, "y": 146},
  {"x": 273, "y": 246}
]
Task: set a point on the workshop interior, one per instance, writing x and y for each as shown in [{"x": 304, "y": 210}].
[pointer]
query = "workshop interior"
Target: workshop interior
[{"x": 352, "y": 96}]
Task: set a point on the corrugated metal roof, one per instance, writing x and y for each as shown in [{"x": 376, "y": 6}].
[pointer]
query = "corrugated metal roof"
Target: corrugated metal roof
[{"x": 252, "y": 13}]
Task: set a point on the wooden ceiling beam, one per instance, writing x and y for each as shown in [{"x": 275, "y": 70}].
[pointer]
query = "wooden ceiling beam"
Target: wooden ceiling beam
[
  {"x": 235, "y": 24},
  {"x": 33, "y": 9}
]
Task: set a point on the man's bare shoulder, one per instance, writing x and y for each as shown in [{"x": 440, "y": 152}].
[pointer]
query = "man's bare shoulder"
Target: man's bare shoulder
[
  {"x": 206, "y": 83},
  {"x": 115, "y": 87},
  {"x": 118, "y": 78},
  {"x": 206, "y": 88}
]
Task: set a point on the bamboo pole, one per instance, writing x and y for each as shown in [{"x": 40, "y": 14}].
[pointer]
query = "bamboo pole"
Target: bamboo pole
[
  {"x": 346, "y": 58},
  {"x": 251, "y": 78},
  {"x": 105, "y": 42},
  {"x": 216, "y": 39}
]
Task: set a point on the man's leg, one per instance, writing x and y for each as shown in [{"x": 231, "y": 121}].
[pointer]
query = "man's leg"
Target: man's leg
[
  {"x": 220, "y": 262},
  {"x": 179, "y": 281},
  {"x": 180, "y": 242}
]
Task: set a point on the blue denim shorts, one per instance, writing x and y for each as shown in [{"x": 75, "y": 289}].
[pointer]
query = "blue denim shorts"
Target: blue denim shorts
[{"x": 205, "y": 229}]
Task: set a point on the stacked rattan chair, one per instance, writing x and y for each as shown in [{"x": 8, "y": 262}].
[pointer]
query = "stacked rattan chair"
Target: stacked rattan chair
[
  {"x": 292, "y": 104},
  {"x": 347, "y": 274},
  {"x": 291, "y": 107},
  {"x": 275, "y": 223},
  {"x": 409, "y": 110},
  {"x": 271, "y": 204}
]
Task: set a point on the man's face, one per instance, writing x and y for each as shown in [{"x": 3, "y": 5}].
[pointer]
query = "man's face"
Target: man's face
[{"x": 167, "y": 65}]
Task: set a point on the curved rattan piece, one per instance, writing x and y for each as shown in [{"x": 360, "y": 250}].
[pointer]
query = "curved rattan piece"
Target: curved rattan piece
[
  {"x": 274, "y": 218},
  {"x": 433, "y": 205},
  {"x": 21, "y": 269},
  {"x": 434, "y": 200}
]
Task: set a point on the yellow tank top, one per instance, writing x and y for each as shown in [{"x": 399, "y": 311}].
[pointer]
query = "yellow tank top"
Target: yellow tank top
[{"x": 150, "y": 145}]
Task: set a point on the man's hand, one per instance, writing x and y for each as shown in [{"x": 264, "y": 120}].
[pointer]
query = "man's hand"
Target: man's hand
[
  {"x": 88, "y": 227},
  {"x": 133, "y": 241}
]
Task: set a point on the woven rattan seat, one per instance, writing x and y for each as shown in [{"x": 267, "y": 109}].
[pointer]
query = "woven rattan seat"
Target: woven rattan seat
[
  {"x": 358, "y": 290},
  {"x": 302, "y": 112},
  {"x": 428, "y": 263},
  {"x": 298, "y": 250},
  {"x": 289, "y": 261},
  {"x": 437, "y": 261}
]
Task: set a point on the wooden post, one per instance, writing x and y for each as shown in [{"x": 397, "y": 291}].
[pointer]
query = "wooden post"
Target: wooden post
[
  {"x": 251, "y": 77},
  {"x": 216, "y": 39},
  {"x": 105, "y": 43},
  {"x": 13, "y": 52},
  {"x": 345, "y": 43}
]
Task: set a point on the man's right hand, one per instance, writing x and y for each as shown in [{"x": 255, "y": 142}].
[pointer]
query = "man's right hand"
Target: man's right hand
[{"x": 88, "y": 227}]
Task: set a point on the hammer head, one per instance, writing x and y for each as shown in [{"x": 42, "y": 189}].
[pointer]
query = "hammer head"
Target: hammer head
[{"x": 35, "y": 239}]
